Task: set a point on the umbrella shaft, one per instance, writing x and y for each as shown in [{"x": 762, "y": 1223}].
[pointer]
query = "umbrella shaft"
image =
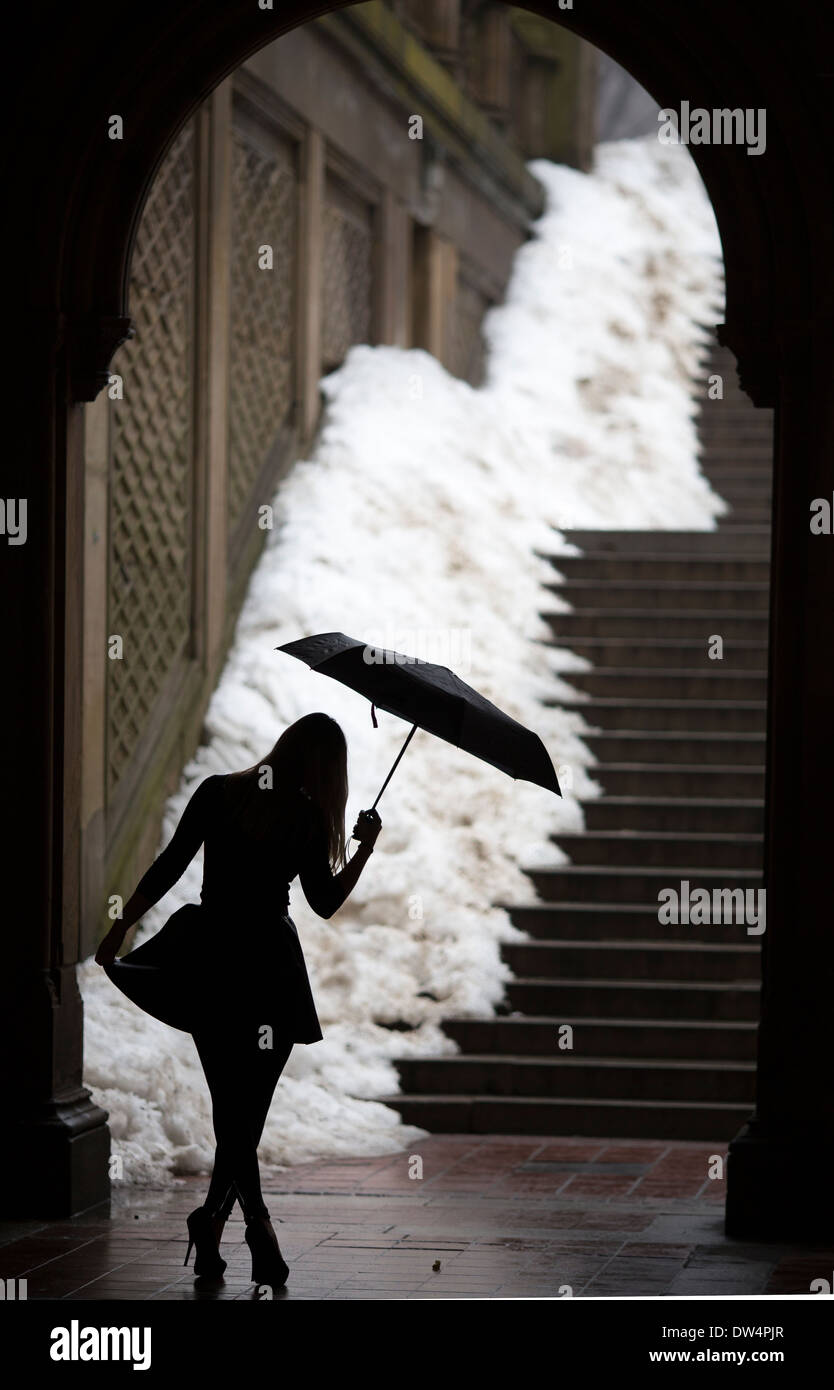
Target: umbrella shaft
[{"x": 412, "y": 731}]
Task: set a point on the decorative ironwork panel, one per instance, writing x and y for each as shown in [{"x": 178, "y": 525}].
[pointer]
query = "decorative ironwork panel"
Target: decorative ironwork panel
[
  {"x": 150, "y": 495},
  {"x": 347, "y": 273},
  {"x": 262, "y": 377},
  {"x": 466, "y": 354}
]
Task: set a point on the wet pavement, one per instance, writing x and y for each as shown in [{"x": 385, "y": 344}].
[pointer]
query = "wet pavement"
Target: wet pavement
[{"x": 458, "y": 1216}]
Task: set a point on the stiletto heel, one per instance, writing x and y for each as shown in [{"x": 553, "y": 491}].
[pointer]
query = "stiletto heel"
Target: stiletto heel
[
  {"x": 268, "y": 1264},
  {"x": 208, "y": 1263}
]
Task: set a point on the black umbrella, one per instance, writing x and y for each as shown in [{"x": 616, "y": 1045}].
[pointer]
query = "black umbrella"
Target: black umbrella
[{"x": 431, "y": 697}]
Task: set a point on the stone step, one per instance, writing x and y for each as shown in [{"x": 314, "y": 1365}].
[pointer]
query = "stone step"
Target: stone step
[
  {"x": 602, "y": 565},
  {"x": 616, "y": 921},
  {"x": 720, "y": 442},
  {"x": 674, "y": 746},
  {"x": 721, "y": 455},
  {"x": 651, "y": 623},
  {"x": 735, "y": 404},
  {"x": 679, "y": 780},
  {"x": 675, "y": 653},
  {"x": 663, "y": 1015},
  {"x": 753, "y": 541},
  {"x": 735, "y": 475},
  {"x": 615, "y": 1119},
  {"x": 567, "y": 999},
  {"x": 738, "y": 493},
  {"x": 566, "y": 1075},
  {"x": 703, "y": 595},
  {"x": 750, "y": 488},
  {"x": 752, "y": 506},
  {"x": 681, "y": 815},
  {"x": 661, "y": 847},
  {"x": 641, "y": 884},
  {"x": 661, "y": 683},
  {"x": 647, "y": 959},
  {"x": 718, "y": 452},
  {"x": 744, "y": 716},
  {"x": 746, "y": 467},
  {"x": 742, "y": 430},
  {"x": 743, "y": 492},
  {"x": 741, "y": 471},
  {"x": 606, "y": 1037},
  {"x": 736, "y": 409},
  {"x": 746, "y": 514}
]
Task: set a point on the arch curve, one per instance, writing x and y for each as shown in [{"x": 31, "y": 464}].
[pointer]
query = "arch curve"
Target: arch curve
[{"x": 765, "y": 205}]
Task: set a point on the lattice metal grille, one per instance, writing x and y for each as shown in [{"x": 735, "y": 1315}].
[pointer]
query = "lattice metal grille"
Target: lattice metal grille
[
  {"x": 264, "y": 210},
  {"x": 347, "y": 274},
  {"x": 150, "y": 503},
  {"x": 466, "y": 351}
]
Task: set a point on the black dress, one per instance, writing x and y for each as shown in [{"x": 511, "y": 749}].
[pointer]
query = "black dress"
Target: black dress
[{"x": 236, "y": 956}]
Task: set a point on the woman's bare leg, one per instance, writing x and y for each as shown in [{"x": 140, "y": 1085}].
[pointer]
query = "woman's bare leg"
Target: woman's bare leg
[{"x": 241, "y": 1078}]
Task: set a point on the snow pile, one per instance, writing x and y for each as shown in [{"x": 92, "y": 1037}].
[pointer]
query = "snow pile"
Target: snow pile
[{"x": 415, "y": 525}]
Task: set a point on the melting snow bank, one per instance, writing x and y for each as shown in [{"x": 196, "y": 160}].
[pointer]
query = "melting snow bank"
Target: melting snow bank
[{"x": 415, "y": 525}]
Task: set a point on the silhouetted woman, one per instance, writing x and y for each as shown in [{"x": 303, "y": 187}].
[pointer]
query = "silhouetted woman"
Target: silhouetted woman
[{"x": 231, "y": 971}]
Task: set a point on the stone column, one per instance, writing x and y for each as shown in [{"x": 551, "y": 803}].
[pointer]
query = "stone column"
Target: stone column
[
  {"x": 448, "y": 301},
  {"x": 780, "y": 1166},
  {"x": 495, "y": 41},
  {"x": 434, "y": 280},
  {"x": 394, "y": 306},
  {"x": 94, "y": 676},
  {"x": 441, "y": 27},
  {"x": 55, "y": 1146}
]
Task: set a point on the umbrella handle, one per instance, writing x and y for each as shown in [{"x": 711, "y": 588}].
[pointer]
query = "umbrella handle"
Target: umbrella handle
[{"x": 411, "y": 734}]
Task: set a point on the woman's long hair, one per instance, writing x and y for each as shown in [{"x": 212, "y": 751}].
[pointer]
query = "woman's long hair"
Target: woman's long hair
[{"x": 310, "y": 756}]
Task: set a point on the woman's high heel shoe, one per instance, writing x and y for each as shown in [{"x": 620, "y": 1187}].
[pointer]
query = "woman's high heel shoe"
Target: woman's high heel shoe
[
  {"x": 208, "y": 1263},
  {"x": 268, "y": 1264}
]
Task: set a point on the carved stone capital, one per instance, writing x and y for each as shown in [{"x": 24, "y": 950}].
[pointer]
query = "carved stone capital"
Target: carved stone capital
[
  {"x": 92, "y": 350},
  {"x": 756, "y": 361},
  {"x": 766, "y": 355}
]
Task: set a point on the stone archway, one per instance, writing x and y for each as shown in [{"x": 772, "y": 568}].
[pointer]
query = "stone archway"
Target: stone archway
[{"x": 79, "y": 200}]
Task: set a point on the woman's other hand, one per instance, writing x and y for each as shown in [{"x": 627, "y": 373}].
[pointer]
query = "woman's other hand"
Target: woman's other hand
[
  {"x": 367, "y": 827},
  {"x": 110, "y": 946}
]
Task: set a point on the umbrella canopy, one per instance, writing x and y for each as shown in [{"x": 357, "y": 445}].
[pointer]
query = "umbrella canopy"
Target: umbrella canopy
[{"x": 430, "y": 697}]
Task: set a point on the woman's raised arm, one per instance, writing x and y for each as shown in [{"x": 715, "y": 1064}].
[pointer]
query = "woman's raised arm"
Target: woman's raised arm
[{"x": 326, "y": 891}]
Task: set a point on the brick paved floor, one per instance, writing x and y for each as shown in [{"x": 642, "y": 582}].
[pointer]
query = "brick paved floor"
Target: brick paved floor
[{"x": 491, "y": 1217}]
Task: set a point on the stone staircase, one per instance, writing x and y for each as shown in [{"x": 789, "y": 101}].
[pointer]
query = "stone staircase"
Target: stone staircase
[{"x": 663, "y": 1017}]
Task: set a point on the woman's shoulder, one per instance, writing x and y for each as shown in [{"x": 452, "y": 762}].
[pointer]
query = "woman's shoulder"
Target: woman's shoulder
[
  {"x": 216, "y": 791},
  {"x": 207, "y": 788},
  {"x": 211, "y": 785}
]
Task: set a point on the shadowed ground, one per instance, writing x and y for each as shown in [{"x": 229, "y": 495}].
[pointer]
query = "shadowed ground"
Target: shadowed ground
[{"x": 505, "y": 1217}]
